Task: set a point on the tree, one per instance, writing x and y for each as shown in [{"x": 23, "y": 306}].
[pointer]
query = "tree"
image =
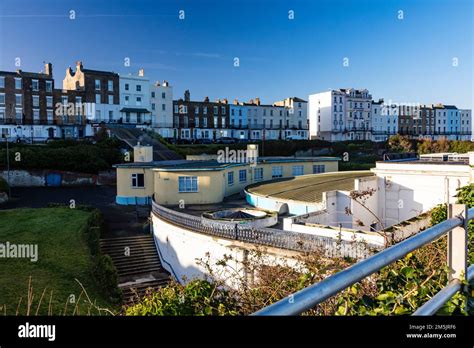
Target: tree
[
  {"x": 425, "y": 146},
  {"x": 400, "y": 143},
  {"x": 441, "y": 145}
]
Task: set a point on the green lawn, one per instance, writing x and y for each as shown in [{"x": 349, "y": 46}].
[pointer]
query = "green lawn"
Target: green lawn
[{"x": 63, "y": 255}]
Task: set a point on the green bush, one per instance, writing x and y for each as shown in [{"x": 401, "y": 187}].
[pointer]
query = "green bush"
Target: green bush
[
  {"x": 65, "y": 155},
  {"x": 107, "y": 277},
  {"x": 3, "y": 185},
  {"x": 198, "y": 297}
]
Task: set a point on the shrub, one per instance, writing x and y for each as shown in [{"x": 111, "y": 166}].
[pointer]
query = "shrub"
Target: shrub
[
  {"x": 106, "y": 275},
  {"x": 3, "y": 185},
  {"x": 68, "y": 155},
  {"x": 198, "y": 297}
]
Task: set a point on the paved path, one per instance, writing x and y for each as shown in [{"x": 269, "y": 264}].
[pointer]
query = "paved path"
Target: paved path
[{"x": 121, "y": 220}]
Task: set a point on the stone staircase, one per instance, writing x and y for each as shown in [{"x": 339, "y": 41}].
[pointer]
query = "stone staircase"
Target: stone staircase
[
  {"x": 138, "y": 265},
  {"x": 131, "y": 136}
]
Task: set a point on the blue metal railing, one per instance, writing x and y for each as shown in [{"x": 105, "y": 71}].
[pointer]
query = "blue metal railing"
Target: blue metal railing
[{"x": 309, "y": 297}]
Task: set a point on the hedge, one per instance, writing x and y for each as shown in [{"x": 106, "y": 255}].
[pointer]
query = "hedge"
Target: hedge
[{"x": 75, "y": 157}]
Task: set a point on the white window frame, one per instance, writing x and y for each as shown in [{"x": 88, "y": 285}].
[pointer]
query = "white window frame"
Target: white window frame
[
  {"x": 97, "y": 85},
  {"x": 49, "y": 86},
  {"x": 35, "y": 85},
  {"x": 243, "y": 175},
  {"x": 258, "y": 174},
  {"x": 319, "y": 168},
  {"x": 230, "y": 178},
  {"x": 297, "y": 170},
  {"x": 110, "y": 85},
  {"x": 49, "y": 101},
  {"x": 188, "y": 184},
  {"x": 135, "y": 183},
  {"x": 18, "y": 83},
  {"x": 277, "y": 172}
]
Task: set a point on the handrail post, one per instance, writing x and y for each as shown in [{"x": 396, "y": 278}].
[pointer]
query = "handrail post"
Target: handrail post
[{"x": 457, "y": 243}]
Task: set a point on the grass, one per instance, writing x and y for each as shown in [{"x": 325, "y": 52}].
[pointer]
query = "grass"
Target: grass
[{"x": 63, "y": 257}]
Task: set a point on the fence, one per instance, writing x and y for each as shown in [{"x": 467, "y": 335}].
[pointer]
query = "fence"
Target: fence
[
  {"x": 266, "y": 236},
  {"x": 455, "y": 227}
]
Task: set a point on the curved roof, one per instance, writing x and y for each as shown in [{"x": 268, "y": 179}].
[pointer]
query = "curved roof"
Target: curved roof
[{"x": 308, "y": 188}]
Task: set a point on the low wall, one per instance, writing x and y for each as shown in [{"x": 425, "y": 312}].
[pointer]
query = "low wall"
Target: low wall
[
  {"x": 182, "y": 239},
  {"x": 333, "y": 232},
  {"x": 38, "y": 178},
  {"x": 282, "y": 206},
  {"x": 181, "y": 249}
]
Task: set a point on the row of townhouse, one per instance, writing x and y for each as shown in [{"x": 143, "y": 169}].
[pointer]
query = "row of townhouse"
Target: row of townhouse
[
  {"x": 32, "y": 108},
  {"x": 352, "y": 114},
  {"x": 286, "y": 119}
]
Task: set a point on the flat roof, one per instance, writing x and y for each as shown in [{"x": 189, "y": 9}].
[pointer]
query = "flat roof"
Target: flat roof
[
  {"x": 209, "y": 165},
  {"x": 308, "y": 188}
]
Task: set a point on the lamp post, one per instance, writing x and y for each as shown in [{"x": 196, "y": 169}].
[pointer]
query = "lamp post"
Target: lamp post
[{"x": 8, "y": 166}]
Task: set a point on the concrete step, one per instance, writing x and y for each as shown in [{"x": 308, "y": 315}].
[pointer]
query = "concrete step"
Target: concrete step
[
  {"x": 138, "y": 266},
  {"x": 135, "y": 271},
  {"x": 130, "y": 260}
]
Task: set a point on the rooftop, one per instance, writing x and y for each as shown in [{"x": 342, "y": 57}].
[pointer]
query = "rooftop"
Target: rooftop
[
  {"x": 209, "y": 165},
  {"x": 308, "y": 188}
]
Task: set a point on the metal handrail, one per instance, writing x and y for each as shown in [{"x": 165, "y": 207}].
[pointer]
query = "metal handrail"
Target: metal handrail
[
  {"x": 265, "y": 236},
  {"x": 309, "y": 297},
  {"x": 438, "y": 300}
]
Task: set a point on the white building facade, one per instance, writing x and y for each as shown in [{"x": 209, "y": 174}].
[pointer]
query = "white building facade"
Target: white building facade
[
  {"x": 338, "y": 115},
  {"x": 161, "y": 104},
  {"x": 384, "y": 122},
  {"x": 135, "y": 100}
]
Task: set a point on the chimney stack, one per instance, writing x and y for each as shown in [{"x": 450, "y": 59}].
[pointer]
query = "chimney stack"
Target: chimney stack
[
  {"x": 236, "y": 102},
  {"x": 141, "y": 72},
  {"x": 48, "y": 69},
  {"x": 206, "y": 99},
  {"x": 257, "y": 101},
  {"x": 225, "y": 101},
  {"x": 187, "y": 95},
  {"x": 251, "y": 102},
  {"x": 79, "y": 65}
]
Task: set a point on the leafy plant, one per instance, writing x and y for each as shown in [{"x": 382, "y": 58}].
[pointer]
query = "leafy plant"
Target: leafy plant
[{"x": 198, "y": 297}]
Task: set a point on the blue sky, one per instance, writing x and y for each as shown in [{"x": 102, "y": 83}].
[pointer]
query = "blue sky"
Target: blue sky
[{"x": 409, "y": 60}]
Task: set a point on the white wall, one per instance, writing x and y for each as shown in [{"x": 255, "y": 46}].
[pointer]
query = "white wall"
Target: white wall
[
  {"x": 181, "y": 249},
  {"x": 407, "y": 189},
  {"x": 162, "y": 119},
  {"x": 133, "y": 81}
]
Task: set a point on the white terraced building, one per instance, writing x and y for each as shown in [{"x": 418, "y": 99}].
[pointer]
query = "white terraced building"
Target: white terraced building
[
  {"x": 384, "y": 120},
  {"x": 134, "y": 99},
  {"x": 161, "y": 99},
  {"x": 340, "y": 114},
  {"x": 286, "y": 119}
]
